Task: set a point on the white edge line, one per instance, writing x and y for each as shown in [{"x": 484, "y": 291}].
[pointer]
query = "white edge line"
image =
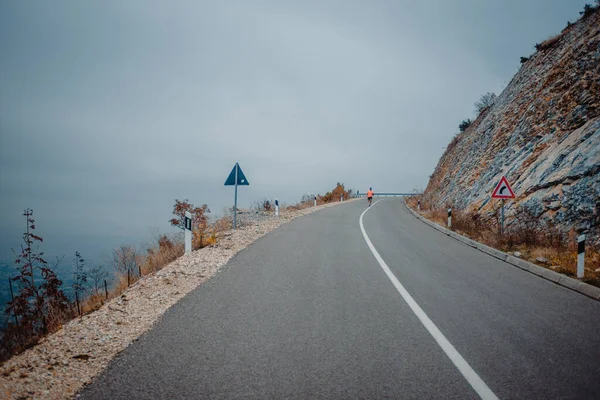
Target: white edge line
[{"x": 463, "y": 366}]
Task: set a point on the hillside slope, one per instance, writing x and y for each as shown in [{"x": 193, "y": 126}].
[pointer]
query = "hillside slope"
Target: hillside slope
[{"x": 542, "y": 133}]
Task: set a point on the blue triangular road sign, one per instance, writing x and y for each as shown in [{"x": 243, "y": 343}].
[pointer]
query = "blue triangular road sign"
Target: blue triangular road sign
[{"x": 241, "y": 177}]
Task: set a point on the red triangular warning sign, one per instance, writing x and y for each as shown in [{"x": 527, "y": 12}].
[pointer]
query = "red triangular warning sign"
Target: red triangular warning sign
[{"x": 503, "y": 190}]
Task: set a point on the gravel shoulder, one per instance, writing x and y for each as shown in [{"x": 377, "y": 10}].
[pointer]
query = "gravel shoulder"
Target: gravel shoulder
[{"x": 62, "y": 363}]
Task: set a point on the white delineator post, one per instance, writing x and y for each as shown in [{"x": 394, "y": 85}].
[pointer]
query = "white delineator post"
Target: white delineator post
[
  {"x": 419, "y": 206},
  {"x": 276, "y": 207},
  {"x": 341, "y": 198},
  {"x": 315, "y": 201},
  {"x": 449, "y": 218},
  {"x": 580, "y": 256},
  {"x": 188, "y": 232}
]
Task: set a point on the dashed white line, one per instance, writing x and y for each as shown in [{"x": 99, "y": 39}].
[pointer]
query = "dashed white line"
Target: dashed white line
[{"x": 463, "y": 366}]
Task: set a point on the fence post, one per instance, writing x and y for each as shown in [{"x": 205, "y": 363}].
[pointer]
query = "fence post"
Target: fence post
[
  {"x": 12, "y": 296},
  {"x": 128, "y": 277},
  {"x": 77, "y": 302},
  {"x": 140, "y": 270},
  {"x": 105, "y": 289},
  {"x": 449, "y": 218},
  {"x": 580, "y": 256}
]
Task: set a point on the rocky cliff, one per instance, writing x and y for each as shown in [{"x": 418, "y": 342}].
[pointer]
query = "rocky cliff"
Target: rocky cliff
[{"x": 542, "y": 133}]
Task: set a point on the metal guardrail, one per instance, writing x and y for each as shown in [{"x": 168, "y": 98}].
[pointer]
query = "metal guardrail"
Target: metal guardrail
[{"x": 384, "y": 194}]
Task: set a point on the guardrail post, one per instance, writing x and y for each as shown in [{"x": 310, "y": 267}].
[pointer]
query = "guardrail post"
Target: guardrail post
[
  {"x": 580, "y": 256},
  {"x": 449, "y": 218}
]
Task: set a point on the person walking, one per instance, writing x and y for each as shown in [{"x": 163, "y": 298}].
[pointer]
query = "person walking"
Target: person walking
[{"x": 370, "y": 196}]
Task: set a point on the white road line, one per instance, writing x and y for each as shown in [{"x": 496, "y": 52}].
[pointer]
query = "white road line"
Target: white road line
[{"x": 465, "y": 369}]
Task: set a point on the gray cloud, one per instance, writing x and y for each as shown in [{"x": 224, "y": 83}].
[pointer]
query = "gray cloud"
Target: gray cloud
[{"x": 111, "y": 110}]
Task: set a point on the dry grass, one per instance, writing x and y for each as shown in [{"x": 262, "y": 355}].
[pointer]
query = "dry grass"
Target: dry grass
[
  {"x": 525, "y": 234},
  {"x": 548, "y": 43},
  {"x": 164, "y": 251}
]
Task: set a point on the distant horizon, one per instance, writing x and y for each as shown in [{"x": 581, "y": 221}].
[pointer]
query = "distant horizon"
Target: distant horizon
[{"x": 102, "y": 129}]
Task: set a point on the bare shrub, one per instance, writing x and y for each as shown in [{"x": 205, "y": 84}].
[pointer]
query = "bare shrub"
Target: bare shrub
[
  {"x": 124, "y": 259},
  {"x": 548, "y": 43},
  {"x": 465, "y": 124},
  {"x": 486, "y": 101},
  {"x": 164, "y": 252}
]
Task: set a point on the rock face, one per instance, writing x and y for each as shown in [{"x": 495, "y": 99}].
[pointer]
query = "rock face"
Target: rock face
[{"x": 542, "y": 133}]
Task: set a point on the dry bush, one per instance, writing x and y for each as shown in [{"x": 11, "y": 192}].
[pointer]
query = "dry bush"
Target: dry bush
[
  {"x": 548, "y": 43},
  {"x": 92, "y": 303},
  {"x": 412, "y": 202},
  {"x": 527, "y": 234},
  {"x": 124, "y": 258},
  {"x": 468, "y": 222},
  {"x": 263, "y": 205},
  {"x": 164, "y": 252},
  {"x": 222, "y": 224}
]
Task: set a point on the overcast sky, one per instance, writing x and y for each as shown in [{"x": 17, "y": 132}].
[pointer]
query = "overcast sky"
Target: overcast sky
[{"x": 109, "y": 110}]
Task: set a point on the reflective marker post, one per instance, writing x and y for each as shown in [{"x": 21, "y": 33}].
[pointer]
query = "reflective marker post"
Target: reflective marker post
[
  {"x": 276, "y": 207},
  {"x": 449, "y": 218},
  {"x": 188, "y": 232},
  {"x": 315, "y": 201},
  {"x": 580, "y": 256}
]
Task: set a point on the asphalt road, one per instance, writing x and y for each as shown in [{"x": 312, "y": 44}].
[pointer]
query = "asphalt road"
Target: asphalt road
[{"x": 308, "y": 312}]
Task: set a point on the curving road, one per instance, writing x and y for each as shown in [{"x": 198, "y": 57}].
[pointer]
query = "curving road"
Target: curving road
[{"x": 329, "y": 307}]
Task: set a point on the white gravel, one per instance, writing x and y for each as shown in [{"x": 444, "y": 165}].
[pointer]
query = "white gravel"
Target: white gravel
[{"x": 65, "y": 361}]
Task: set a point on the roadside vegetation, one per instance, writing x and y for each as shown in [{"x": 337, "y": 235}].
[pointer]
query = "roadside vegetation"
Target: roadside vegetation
[
  {"x": 525, "y": 236},
  {"x": 41, "y": 303}
]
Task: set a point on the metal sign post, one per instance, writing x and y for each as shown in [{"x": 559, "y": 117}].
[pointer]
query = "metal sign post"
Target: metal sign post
[
  {"x": 235, "y": 197},
  {"x": 236, "y": 178},
  {"x": 503, "y": 191},
  {"x": 502, "y": 218}
]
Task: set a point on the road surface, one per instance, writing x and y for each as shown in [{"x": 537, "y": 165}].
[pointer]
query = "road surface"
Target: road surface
[{"x": 309, "y": 311}]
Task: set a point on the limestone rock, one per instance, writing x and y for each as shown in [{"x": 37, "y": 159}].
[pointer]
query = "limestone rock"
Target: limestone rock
[{"x": 542, "y": 133}]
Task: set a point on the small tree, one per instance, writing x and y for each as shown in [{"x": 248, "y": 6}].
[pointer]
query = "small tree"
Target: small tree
[
  {"x": 40, "y": 305},
  {"x": 465, "y": 124},
  {"x": 124, "y": 259},
  {"x": 486, "y": 100},
  {"x": 524, "y": 60},
  {"x": 97, "y": 275},
  {"x": 80, "y": 276},
  {"x": 589, "y": 9},
  {"x": 199, "y": 218}
]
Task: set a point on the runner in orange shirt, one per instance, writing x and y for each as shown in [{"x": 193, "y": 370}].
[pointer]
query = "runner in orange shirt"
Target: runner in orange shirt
[{"x": 370, "y": 196}]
